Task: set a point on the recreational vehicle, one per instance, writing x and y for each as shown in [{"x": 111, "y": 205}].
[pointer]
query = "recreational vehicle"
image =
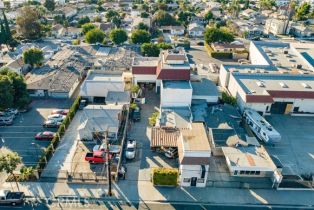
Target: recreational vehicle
[{"x": 260, "y": 127}]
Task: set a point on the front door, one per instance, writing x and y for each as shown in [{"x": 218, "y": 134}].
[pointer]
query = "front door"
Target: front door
[{"x": 193, "y": 181}]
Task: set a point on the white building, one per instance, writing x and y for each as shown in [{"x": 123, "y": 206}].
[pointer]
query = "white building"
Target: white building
[
  {"x": 275, "y": 26},
  {"x": 196, "y": 30},
  {"x": 280, "y": 81},
  {"x": 97, "y": 85},
  {"x": 100, "y": 118},
  {"x": 194, "y": 156},
  {"x": 175, "y": 94}
]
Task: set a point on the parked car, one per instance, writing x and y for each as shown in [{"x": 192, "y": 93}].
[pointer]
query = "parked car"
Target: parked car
[
  {"x": 12, "y": 198},
  {"x": 4, "y": 122},
  {"x": 130, "y": 149},
  {"x": 56, "y": 117},
  {"x": 83, "y": 103},
  {"x": 6, "y": 115},
  {"x": 12, "y": 111},
  {"x": 136, "y": 115},
  {"x": 113, "y": 149},
  {"x": 46, "y": 135},
  {"x": 60, "y": 111},
  {"x": 171, "y": 152},
  {"x": 95, "y": 157},
  {"x": 51, "y": 124}
]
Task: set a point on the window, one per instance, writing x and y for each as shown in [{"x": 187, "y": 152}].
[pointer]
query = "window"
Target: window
[
  {"x": 235, "y": 173},
  {"x": 200, "y": 180},
  {"x": 242, "y": 172},
  {"x": 257, "y": 172},
  {"x": 252, "y": 172},
  {"x": 247, "y": 172},
  {"x": 296, "y": 109},
  {"x": 186, "y": 180}
]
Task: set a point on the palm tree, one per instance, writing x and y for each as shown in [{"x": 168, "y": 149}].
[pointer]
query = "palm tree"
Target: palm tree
[{"x": 27, "y": 172}]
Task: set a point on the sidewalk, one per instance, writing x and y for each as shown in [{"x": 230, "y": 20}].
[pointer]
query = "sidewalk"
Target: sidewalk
[{"x": 144, "y": 191}]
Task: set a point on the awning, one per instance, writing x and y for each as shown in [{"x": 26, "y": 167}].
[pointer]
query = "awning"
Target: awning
[{"x": 164, "y": 137}]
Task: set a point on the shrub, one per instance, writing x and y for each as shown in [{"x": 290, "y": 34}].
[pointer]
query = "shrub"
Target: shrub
[
  {"x": 76, "y": 42},
  {"x": 222, "y": 55},
  {"x": 135, "y": 88},
  {"x": 133, "y": 106},
  {"x": 153, "y": 119},
  {"x": 165, "y": 176},
  {"x": 228, "y": 99}
]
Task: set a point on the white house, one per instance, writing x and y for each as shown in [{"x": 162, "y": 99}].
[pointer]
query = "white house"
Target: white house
[
  {"x": 194, "y": 156},
  {"x": 175, "y": 93},
  {"x": 173, "y": 30},
  {"x": 196, "y": 30},
  {"x": 275, "y": 26},
  {"x": 97, "y": 85}
]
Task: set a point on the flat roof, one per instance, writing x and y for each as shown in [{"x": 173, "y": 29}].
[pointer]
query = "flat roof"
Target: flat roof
[
  {"x": 195, "y": 139},
  {"x": 145, "y": 61},
  {"x": 115, "y": 97},
  {"x": 176, "y": 84},
  {"x": 178, "y": 117},
  {"x": 95, "y": 76},
  {"x": 260, "y": 84},
  {"x": 250, "y": 158},
  {"x": 204, "y": 87},
  {"x": 285, "y": 56}
]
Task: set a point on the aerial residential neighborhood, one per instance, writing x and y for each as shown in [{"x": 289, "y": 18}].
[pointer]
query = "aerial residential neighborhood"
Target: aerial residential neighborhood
[{"x": 168, "y": 104}]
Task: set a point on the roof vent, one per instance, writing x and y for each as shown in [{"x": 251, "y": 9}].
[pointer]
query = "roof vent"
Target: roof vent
[
  {"x": 299, "y": 66},
  {"x": 305, "y": 85},
  {"x": 283, "y": 85},
  {"x": 260, "y": 84}
]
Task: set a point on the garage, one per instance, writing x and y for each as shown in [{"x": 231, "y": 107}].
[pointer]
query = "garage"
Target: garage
[{"x": 281, "y": 107}]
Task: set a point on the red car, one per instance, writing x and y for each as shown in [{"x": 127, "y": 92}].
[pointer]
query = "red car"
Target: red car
[
  {"x": 96, "y": 157},
  {"x": 46, "y": 135},
  {"x": 60, "y": 111}
]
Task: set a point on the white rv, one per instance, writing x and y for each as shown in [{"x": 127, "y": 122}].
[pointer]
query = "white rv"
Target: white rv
[{"x": 260, "y": 127}]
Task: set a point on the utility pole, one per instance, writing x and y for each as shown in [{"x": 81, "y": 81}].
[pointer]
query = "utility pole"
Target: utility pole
[{"x": 108, "y": 161}]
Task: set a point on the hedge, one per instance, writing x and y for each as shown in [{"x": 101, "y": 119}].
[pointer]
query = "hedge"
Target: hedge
[
  {"x": 165, "y": 176},
  {"x": 56, "y": 140},
  {"x": 228, "y": 99},
  {"x": 222, "y": 55}
]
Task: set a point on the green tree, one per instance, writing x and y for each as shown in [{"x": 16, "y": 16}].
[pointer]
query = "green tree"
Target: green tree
[
  {"x": 110, "y": 14},
  {"x": 150, "y": 50},
  {"x": 140, "y": 37},
  {"x": 217, "y": 35},
  {"x": 302, "y": 12},
  {"x": 234, "y": 7},
  {"x": 162, "y": 6},
  {"x": 118, "y": 36},
  {"x": 116, "y": 21},
  {"x": 33, "y": 56},
  {"x": 7, "y": 35},
  {"x": 164, "y": 46},
  {"x": 184, "y": 17},
  {"x": 95, "y": 35},
  {"x": 266, "y": 4},
  {"x": 142, "y": 26},
  {"x": 163, "y": 18},
  {"x": 144, "y": 15},
  {"x": 28, "y": 24},
  {"x": 208, "y": 16},
  {"x": 83, "y": 20},
  {"x": 9, "y": 163},
  {"x": 17, "y": 90},
  {"x": 6, "y": 92},
  {"x": 50, "y": 5},
  {"x": 87, "y": 27}
]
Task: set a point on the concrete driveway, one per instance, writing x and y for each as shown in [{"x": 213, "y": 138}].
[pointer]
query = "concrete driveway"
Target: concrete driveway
[
  {"x": 19, "y": 137},
  {"x": 296, "y": 149},
  {"x": 140, "y": 167}
]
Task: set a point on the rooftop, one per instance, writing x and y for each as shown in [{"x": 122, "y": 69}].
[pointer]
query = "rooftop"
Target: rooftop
[
  {"x": 97, "y": 76},
  {"x": 195, "y": 139},
  {"x": 175, "y": 117},
  {"x": 204, "y": 87},
  {"x": 114, "y": 97},
  {"x": 249, "y": 158},
  {"x": 145, "y": 61},
  {"x": 176, "y": 84}
]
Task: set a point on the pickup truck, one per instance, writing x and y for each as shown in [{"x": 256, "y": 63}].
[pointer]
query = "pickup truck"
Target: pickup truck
[
  {"x": 96, "y": 157},
  {"x": 13, "y": 198}
]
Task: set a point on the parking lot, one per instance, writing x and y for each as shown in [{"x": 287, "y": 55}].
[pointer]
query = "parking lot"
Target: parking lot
[
  {"x": 296, "y": 149},
  {"x": 19, "y": 137}
]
